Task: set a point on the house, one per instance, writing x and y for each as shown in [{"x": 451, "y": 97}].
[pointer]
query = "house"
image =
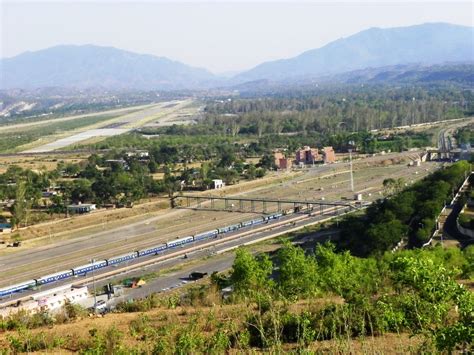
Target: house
[
  {"x": 307, "y": 155},
  {"x": 284, "y": 164},
  {"x": 281, "y": 162},
  {"x": 141, "y": 154},
  {"x": 50, "y": 301},
  {"x": 81, "y": 208},
  {"x": 218, "y": 184},
  {"x": 277, "y": 156},
  {"x": 5, "y": 228},
  {"x": 329, "y": 155}
]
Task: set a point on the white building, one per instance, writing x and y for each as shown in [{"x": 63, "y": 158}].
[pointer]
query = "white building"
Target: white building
[
  {"x": 82, "y": 208},
  {"x": 218, "y": 184}
]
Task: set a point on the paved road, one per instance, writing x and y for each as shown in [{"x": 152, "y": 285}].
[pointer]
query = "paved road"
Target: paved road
[
  {"x": 250, "y": 238},
  {"x": 216, "y": 261}
]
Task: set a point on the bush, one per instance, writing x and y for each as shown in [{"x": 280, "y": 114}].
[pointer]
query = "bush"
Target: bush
[
  {"x": 142, "y": 305},
  {"x": 27, "y": 342},
  {"x": 108, "y": 342}
]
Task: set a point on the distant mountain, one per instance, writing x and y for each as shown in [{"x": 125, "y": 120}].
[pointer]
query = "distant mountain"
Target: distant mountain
[
  {"x": 462, "y": 74},
  {"x": 459, "y": 75},
  {"x": 107, "y": 68},
  {"x": 431, "y": 43},
  {"x": 90, "y": 66}
]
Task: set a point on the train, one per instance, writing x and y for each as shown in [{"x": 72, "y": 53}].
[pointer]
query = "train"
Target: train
[{"x": 154, "y": 250}]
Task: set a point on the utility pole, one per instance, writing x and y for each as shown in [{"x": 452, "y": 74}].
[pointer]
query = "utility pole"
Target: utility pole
[
  {"x": 93, "y": 283},
  {"x": 352, "y": 176}
]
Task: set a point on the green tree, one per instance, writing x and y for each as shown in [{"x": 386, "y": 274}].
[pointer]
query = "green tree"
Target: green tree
[
  {"x": 20, "y": 207},
  {"x": 249, "y": 272},
  {"x": 298, "y": 274}
]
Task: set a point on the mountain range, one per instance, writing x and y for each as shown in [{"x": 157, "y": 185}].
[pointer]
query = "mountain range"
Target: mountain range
[
  {"x": 431, "y": 43},
  {"x": 89, "y": 66}
]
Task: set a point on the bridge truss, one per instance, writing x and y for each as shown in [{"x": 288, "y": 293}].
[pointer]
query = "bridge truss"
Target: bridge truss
[{"x": 261, "y": 205}]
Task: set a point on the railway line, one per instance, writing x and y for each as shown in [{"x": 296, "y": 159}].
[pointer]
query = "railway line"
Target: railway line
[
  {"x": 104, "y": 244},
  {"x": 271, "y": 229},
  {"x": 76, "y": 252}
]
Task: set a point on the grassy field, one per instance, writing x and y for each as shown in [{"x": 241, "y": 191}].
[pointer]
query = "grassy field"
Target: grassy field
[
  {"x": 19, "y": 122},
  {"x": 10, "y": 141},
  {"x": 29, "y": 137}
]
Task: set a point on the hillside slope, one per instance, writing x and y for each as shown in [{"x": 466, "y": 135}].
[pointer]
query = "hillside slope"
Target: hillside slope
[
  {"x": 94, "y": 66},
  {"x": 427, "y": 44}
]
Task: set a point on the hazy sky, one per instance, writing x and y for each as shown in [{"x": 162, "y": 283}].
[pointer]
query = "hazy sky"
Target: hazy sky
[{"x": 220, "y": 36}]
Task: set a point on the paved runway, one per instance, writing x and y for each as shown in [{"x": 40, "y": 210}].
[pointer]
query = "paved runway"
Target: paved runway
[{"x": 65, "y": 142}]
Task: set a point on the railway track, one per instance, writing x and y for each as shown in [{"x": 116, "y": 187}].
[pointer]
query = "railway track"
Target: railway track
[
  {"x": 108, "y": 272},
  {"x": 106, "y": 250},
  {"x": 141, "y": 240}
]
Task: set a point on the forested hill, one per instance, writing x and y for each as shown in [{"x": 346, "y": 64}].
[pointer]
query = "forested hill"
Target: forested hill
[
  {"x": 458, "y": 74},
  {"x": 431, "y": 43},
  {"x": 462, "y": 74}
]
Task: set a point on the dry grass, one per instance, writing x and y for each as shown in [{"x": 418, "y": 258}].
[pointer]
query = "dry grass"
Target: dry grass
[
  {"x": 206, "y": 316},
  {"x": 43, "y": 162}
]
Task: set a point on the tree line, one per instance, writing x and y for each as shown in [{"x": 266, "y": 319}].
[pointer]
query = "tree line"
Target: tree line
[
  {"x": 410, "y": 214},
  {"x": 117, "y": 179},
  {"x": 333, "y": 111}
]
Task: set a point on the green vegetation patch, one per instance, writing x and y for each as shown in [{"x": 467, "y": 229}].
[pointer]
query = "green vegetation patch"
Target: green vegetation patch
[
  {"x": 410, "y": 214},
  {"x": 11, "y": 140},
  {"x": 466, "y": 220}
]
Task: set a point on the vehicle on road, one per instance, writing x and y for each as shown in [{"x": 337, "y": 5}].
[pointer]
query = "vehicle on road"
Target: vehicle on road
[{"x": 196, "y": 275}]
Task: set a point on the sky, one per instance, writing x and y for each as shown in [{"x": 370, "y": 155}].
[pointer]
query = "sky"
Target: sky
[{"x": 220, "y": 36}]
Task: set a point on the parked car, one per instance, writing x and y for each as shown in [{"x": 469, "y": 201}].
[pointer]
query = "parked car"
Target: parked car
[{"x": 100, "y": 306}]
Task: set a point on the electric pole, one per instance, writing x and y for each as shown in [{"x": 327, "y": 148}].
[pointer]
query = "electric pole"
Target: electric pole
[
  {"x": 352, "y": 176},
  {"x": 93, "y": 284}
]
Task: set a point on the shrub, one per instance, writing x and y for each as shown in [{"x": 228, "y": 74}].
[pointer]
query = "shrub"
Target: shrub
[{"x": 28, "y": 342}]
